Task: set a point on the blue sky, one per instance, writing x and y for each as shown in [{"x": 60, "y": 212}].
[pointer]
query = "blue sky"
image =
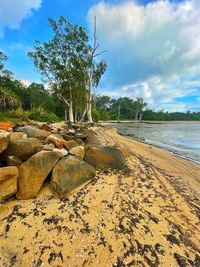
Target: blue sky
[{"x": 153, "y": 46}]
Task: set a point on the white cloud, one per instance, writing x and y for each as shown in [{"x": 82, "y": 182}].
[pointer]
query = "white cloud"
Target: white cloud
[
  {"x": 153, "y": 49},
  {"x": 12, "y": 13},
  {"x": 26, "y": 82}
]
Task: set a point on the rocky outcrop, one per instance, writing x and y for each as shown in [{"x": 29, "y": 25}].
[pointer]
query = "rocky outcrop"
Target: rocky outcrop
[
  {"x": 4, "y": 140},
  {"x": 70, "y": 173},
  {"x": 78, "y": 151},
  {"x": 22, "y": 149},
  {"x": 105, "y": 158},
  {"x": 33, "y": 173},
  {"x": 34, "y": 132},
  {"x": 8, "y": 182}
]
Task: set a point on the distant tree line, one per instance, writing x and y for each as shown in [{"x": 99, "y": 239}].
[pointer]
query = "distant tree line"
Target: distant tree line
[{"x": 106, "y": 108}]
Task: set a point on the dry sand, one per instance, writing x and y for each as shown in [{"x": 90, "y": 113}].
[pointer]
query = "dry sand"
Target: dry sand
[{"x": 146, "y": 215}]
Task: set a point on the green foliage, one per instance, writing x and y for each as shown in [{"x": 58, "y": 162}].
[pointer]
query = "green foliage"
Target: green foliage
[
  {"x": 95, "y": 115},
  {"x": 8, "y": 99},
  {"x": 41, "y": 115}
]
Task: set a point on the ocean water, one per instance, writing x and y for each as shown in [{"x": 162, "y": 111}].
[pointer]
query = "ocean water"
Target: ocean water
[{"x": 182, "y": 139}]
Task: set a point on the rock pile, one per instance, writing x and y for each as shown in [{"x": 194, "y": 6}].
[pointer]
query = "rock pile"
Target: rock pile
[{"x": 65, "y": 155}]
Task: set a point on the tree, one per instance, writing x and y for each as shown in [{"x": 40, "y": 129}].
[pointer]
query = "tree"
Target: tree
[
  {"x": 95, "y": 71},
  {"x": 58, "y": 59},
  {"x": 8, "y": 99},
  {"x": 138, "y": 108},
  {"x": 66, "y": 62}
]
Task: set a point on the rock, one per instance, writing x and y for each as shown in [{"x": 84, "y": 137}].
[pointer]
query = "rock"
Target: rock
[
  {"x": 69, "y": 131},
  {"x": 70, "y": 144},
  {"x": 56, "y": 139},
  {"x": 34, "y": 132},
  {"x": 33, "y": 173},
  {"x": 4, "y": 140},
  {"x": 22, "y": 149},
  {"x": 7, "y": 173},
  {"x": 63, "y": 151},
  {"x": 105, "y": 157},
  {"x": 92, "y": 139},
  {"x": 14, "y": 161},
  {"x": 49, "y": 147},
  {"x": 8, "y": 188},
  {"x": 6, "y": 126},
  {"x": 82, "y": 135},
  {"x": 46, "y": 127},
  {"x": 67, "y": 137},
  {"x": 78, "y": 151},
  {"x": 70, "y": 173},
  {"x": 17, "y": 136},
  {"x": 79, "y": 141}
]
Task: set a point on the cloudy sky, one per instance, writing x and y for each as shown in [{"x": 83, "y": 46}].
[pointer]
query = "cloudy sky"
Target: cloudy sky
[{"x": 153, "y": 47}]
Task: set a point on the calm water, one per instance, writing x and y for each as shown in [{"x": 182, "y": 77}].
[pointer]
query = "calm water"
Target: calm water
[{"x": 182, "y": 139}]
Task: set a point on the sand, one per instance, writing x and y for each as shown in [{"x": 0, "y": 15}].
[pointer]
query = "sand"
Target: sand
[{"x": 145, "y": 215}]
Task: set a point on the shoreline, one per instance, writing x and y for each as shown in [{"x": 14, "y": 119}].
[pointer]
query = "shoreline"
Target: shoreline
[
  {"x": 145, "y": 215},
  {"x": 159, "y": 157},
  {"x": 164, "y": 148}
]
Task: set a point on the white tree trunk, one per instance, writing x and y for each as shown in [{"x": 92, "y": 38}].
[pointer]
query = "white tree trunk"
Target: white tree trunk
[
  {"x": 83, "y": 115},
  {"x": 89, "y": 105},
  {"x": 66, "y": 111},
  {"x": 71, "y": 115}
]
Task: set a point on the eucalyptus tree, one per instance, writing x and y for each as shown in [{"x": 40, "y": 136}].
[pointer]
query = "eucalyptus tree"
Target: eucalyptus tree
[{"x": 57, "y": 59}]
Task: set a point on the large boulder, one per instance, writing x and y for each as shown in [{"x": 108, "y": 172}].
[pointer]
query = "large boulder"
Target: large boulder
[
  {"x": 34, "y": 171},
  {"x": 70, "y": 173},
  {"x": 34, "y": 132},
  {"x": 105, "y": 157},
  {"x": 8, "y": 182},
  {"x": 22, "y": 149},
  {"x": 7, "y": 173},
  {"x": 4, "y": 140},
  {"x": 92, "y": 139},
  {"x": 56, "y": 139},
  {"x": 78, "y": 151}
]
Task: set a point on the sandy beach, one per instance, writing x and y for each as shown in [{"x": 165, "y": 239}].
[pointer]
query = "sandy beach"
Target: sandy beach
[{"x": 145, "y": 215}]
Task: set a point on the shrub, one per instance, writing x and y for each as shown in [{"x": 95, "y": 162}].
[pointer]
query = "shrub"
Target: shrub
[
  {"x": 95, "y": 115},
  {"x": 40, "y": 115}
]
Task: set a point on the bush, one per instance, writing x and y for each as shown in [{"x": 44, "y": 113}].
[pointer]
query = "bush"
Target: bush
[
  {"x": 95, "y": 115},
  {"x": 40, "y": 115}
]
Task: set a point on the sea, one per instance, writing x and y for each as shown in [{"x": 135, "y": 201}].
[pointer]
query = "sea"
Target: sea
[{"x": 180, "y": 138}]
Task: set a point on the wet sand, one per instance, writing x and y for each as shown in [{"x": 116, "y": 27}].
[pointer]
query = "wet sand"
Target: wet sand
[{"x": 146, "y": 215}]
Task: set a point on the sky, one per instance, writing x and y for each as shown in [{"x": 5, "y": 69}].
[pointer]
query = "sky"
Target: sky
[{"x": 152, "y": 47}]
